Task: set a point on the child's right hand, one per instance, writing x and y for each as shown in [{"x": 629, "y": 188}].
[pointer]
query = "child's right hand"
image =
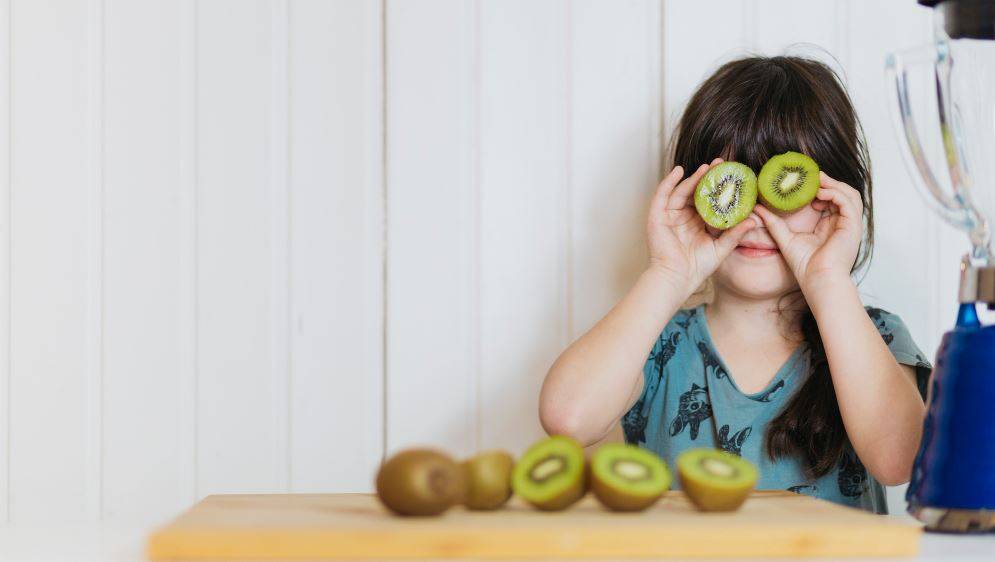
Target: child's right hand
[{"x": 680, "y": 246}]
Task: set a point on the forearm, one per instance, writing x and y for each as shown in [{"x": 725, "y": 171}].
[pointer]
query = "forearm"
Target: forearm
[
  {"x": 879, "y": 403},
  {"x": 593, "y": 382}
]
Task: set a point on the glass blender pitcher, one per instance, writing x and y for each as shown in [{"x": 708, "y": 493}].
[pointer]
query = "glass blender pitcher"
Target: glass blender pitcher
[{"x": 953, "y": 480}]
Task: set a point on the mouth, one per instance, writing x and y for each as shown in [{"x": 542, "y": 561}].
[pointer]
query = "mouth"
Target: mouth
[{"x": 756, "y": 249}]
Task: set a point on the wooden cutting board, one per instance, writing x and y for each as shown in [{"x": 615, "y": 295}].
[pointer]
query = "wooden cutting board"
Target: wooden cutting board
[{"x": 355, "y": 526}]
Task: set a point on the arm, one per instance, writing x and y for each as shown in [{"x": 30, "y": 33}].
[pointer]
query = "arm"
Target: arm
[
  {"x": 598, "y": 378},
  {"x": 878, "y": 400}
]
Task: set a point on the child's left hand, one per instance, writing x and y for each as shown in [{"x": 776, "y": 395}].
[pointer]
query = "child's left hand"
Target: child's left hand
[{"x": 829, "y": 251}]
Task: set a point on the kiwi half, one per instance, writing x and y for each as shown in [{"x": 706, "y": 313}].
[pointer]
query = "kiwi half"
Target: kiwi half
[
  {"x": 488, "y": 480},
  {"x": 715, "y": 480},
  {"x": 726, "y": 195},
  {"x": 550, "y": 475},
  {"x": 788, "y": 181},
  {"x": 627, "y": 478},
  {"x": 420, "y": 482}
]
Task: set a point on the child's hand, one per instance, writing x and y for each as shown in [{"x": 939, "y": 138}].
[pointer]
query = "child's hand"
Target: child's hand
[
  {"x": 679, "y": 245},
  {"x": 830, "y": 251}
]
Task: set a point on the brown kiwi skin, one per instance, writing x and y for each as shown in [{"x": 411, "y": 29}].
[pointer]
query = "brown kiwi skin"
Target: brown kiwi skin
[
  {"x": 488, "y": 480},
  {"x": 420, "y": 482}
]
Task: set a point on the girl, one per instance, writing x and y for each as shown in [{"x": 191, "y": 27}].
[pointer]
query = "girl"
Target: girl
[{"x": 783, "y": 365}]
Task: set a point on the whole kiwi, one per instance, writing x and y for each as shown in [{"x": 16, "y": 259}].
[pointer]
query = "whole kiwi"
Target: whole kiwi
[
  {"x": 488, "y": 479},
  {"x": 420, "y": 482}
]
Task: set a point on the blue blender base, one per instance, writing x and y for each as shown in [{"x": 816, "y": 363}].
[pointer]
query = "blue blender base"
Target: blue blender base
[{"x": 953, "y": 480}]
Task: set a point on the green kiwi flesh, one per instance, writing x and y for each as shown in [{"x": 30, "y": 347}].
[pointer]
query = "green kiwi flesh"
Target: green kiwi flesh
[
  {"x": 716, "y": 480},
  {"x": 550, "y": 475},
  {"x": 627, "y": 478},
  {"x": 726, "y": 194},
  {"x": 788, "y": 181},
  {"x": 488, "y": 480},
  {"x": 420, "y": 482}
]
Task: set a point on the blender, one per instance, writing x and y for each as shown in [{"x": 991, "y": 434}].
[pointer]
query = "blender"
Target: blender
[{"x": 952, "y": 488}]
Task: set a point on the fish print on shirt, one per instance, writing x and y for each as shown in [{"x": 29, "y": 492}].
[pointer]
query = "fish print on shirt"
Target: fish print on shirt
[
  {"x": 852, "y": 476},
  {"x": 876, "y": 316},
  {"x": 806, "y": 489},
  {"x": 693, "y": 409},
  {"x": 710, "y": 361},
  {"x": 733, "y": 444},
  {"x": 765, "y": 397},
  {"x": 634, "y": 422}
]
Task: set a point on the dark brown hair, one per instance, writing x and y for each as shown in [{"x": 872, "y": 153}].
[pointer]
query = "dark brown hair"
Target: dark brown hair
[{"x": 749, "y": 110}]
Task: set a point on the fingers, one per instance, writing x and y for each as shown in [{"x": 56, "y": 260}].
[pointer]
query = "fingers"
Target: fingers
[
  {"x": 659, "y": 202},
  {"x": 847, "y": 206},
  {"x": 775, "y": 225},
  {"x": 826, "y": 225},
  {"x": 679, "y": 198},
  {"x": 852, "y": 195},
  {"x": 728, "y": 240}
]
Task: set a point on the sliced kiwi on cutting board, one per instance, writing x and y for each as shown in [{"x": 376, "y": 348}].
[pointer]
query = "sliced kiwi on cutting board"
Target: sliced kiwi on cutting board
[
  {"x": 726, "y": 195},
  {"x": 420, "y": 482},
  {"x": 628, "y": 478},
  {"x": 715, "y": 480},
  {"x": 550, "y": 475},
  {"x": 488, "y": 479},
  {"x": 788, "y": 181}
]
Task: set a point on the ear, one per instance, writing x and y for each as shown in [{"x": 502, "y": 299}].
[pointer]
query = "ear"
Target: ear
[{"x": 695, "y": 387}]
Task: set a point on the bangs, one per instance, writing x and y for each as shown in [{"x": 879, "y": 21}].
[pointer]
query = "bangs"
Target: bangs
[{"x": 752, "y": 109}]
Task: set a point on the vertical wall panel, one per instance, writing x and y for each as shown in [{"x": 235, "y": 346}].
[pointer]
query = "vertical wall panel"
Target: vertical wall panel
[
  {"x": 899, "y": 250},
  {"x": 141, "y": 258},
  {"x": 431, "y": 190},
  {"x": 337, "y": 236},
  {"x": 49, "y": 257},
  {"x": 771, "y": 26},
  {"x": 687, "y": 59},
  {"x": 525, "y": 135},
  {"x": 614, "y": 156},
  {"x": 5, "y": 238},
  {"x": 186, "y": 237},
  {"x": 236, "y": 430}
]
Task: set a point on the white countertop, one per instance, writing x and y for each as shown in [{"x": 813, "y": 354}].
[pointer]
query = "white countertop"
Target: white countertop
[{"x": 114, "y": 542}]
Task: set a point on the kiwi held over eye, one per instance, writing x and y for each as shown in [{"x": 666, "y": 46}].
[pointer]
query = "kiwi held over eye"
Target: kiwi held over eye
[
  {"x": 726, "y": 195},
  {"x": 420, "y": 482},
  {"x": 550, "y": 475},
  {"x": 488, "y": 480},
  {"x": 627, "y": 478},
  {"x": 788, "y": 181},
  {"x": 715, "y": 480}
]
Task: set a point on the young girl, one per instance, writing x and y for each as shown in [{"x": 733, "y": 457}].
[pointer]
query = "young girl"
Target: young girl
[{"x": 783, "y": 365}]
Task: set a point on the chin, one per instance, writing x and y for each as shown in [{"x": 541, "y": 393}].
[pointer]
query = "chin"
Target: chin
[{"x": 761, "y": 279}]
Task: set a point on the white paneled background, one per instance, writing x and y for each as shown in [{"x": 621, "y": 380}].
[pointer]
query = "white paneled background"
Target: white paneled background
[{"x": 249, "y": 245}]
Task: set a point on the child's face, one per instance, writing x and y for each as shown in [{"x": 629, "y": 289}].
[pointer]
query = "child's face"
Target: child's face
[{"x": 755, "y": 269}]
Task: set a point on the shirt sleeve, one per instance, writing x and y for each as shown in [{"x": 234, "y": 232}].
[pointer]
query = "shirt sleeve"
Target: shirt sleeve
[
  {"x": 635, "y": 420},
  {"x": 899, "y": 340}
]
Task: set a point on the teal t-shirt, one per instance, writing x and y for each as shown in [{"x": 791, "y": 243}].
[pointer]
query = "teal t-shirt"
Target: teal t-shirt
[{"x": 689, "y": 400}]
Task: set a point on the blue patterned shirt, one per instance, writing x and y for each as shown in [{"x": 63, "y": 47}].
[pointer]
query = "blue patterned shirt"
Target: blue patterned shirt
[{"x": 689, "y": 400}]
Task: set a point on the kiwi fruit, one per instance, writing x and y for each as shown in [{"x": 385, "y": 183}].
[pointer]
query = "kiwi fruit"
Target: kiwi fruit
[
  {"x": 715, "y": 480},
  {"x": 627, "y": 478},
  {"x": 726, "y": 195},
  {"x": 550, "y": 475},
  {"x": 788, "y": 181},
  {"x": 488, "y": 480},
  {"x": 420, "y": 482}
]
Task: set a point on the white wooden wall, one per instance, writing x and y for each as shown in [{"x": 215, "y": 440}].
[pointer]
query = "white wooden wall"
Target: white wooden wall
[{"x": 246, "y": 245}]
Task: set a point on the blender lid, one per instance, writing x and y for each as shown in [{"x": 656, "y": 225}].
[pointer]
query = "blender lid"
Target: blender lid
[{"x": 966, "y": 19}]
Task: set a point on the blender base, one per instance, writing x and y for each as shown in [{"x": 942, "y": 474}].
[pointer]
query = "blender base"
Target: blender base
[{"x": 946, "y": 520}]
